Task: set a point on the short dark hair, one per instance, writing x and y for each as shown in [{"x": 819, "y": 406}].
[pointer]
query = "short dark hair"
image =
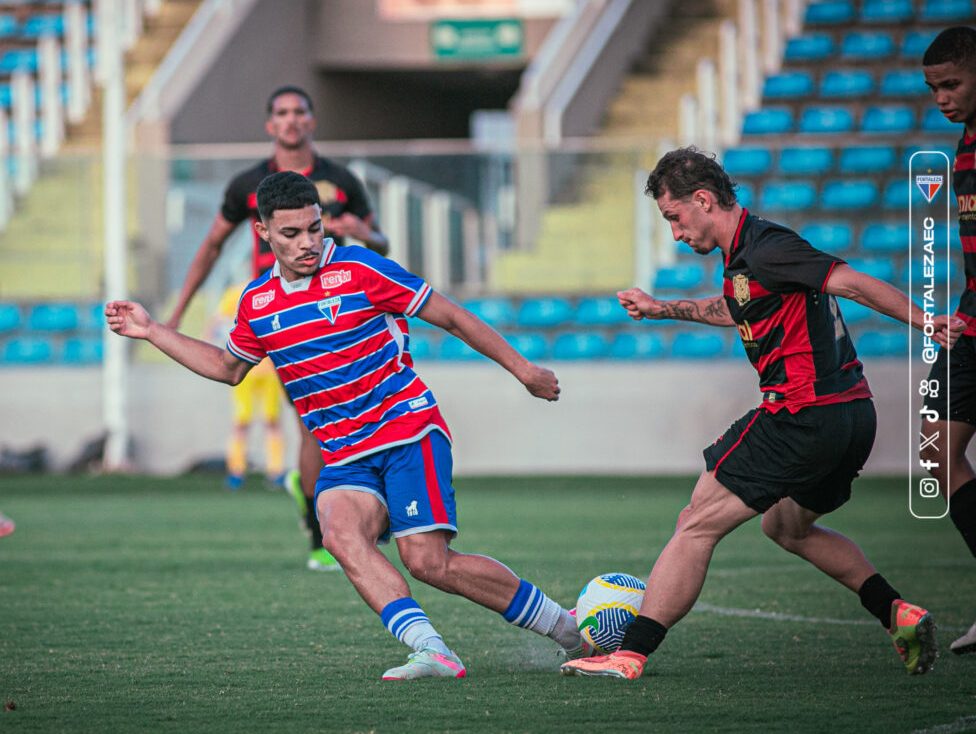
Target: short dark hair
[
  {"x": 284, "y": 190},
  {"x": 956, "y": 45},
  {"x": 683, "y": 171},
  {"x": 288, "y": 90}
]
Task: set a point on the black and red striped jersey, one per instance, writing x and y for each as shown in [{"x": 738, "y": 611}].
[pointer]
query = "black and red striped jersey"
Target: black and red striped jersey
[
  {"x": 792, "y": 331},
  {"x": 964, "y": 188},
  {"x": 339, "y": 192}
]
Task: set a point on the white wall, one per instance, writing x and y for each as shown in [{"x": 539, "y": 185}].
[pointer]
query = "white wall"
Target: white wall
[{"x": 612, "y": 418}]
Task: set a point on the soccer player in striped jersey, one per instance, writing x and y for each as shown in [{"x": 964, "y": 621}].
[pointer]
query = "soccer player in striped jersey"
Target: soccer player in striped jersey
[
  {"x": 949, "y": 65},
  {"x": 327, "y": 316},
  {"x": 792, "y": 459}
]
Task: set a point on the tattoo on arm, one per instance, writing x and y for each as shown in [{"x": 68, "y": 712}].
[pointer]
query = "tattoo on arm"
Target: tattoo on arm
[{"x": 706, "y": 311}]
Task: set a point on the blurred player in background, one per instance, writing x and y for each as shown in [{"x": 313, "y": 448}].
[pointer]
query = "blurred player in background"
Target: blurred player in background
[
  {"x": 259, "y": 391},
  {"x": 950, "y": 71},
  {"x": 6, "y": 525},
  {"x": 793, "y": 459},
  {"x": 346, "y": 213},
  {"x": 328, "y": 316}
]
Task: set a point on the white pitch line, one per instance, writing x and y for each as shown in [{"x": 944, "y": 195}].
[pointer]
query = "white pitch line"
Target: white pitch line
[
  {"x": 962, "y": 724},
  {"x": 781, "y": 617}
]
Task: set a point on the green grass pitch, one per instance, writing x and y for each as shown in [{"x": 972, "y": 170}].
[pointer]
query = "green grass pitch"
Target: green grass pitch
[{"x": 135, "y": 604}]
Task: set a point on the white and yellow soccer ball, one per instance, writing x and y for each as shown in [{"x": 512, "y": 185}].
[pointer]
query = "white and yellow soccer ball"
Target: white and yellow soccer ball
[{"x": 605, "y": 608}]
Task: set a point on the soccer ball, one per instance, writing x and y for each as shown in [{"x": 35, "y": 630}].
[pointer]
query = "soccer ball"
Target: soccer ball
[{"x": 605, "y": 608}]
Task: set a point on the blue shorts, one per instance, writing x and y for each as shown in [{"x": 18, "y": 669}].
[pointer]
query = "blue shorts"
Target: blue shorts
[{"x": 413, "y": 481}]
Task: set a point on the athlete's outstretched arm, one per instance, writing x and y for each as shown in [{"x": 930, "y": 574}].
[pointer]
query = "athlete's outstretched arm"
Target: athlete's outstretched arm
[
  {"x": 884, "y": 298},
  {"x": 641, "y": 305},
  {"x": 202, "y": 264},
  {"x": 130, "y": 319},
  {"x": 467, "y": 327}
]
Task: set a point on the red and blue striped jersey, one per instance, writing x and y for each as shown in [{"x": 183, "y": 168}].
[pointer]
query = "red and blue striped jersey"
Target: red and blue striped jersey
[{"x": 335, "y": 341}]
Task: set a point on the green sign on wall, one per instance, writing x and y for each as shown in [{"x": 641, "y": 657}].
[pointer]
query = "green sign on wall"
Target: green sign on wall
[{"x": 477, "y": 39}]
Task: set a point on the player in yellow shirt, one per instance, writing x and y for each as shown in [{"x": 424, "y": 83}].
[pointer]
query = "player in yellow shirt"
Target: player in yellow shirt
[{"x": 260, "y": 390}]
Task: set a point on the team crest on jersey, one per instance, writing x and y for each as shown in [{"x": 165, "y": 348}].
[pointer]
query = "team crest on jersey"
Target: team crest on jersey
[
  {"x": 260, "y": 300},
  {"x": 335, "y": 278},
  {"x": 740, "y": 289},
  {"x": 329, "y": 307},
  {"x": 929, "y": 186}
]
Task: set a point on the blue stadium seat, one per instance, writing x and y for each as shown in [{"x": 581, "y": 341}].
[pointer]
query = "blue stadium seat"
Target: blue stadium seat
[
  {"x": 867, "y": 46},
  {"x": 88, "y": 350},
  {"x": 914, "y": 43},
  {"x": 43, "y": 25},
  {"x": 885, "y": 237},
  {"x": 829, "y": 12},
  {"x": 18, "y": 58},
  {"x": 896, "y": 194},
  {"x": 832, "y": 237},
  {"x": 855, "y": 194},
  {"x": 531, "y": 345},
  {"x": 935, "y": 122},
  {"x": 581, "y": 345},
  {"x": 887, "y": 11},
  {"x": 788, "y": 84},
  {"x": 768, "y": 121},
  {"x": 600, "y": 311},
  {"x": 8, "y": 25},
  {"x": 888, "y": 119},
  {"x": 639, "y": 345},
  {"x": 923, "y": 160},
  {"x": 876, "y": 267},
  {"x": 53, "y": 317},
  {"x": 680, "y": 277},
  {"x": 788, "y": 195},
  {"x": 810, "y": 47},
  {"x": 9, "y": 317},
  {"x": 944, "y": 11},
  {"x": 495, "y": 311},
  {"x": 846, "y": 83},
  {"x": 543, "y": 312},
  {"x": 747, "y": 161},
  {"x": 903, "y": 83},
  {"x": 817, "y": 120},
  {"x": 422, "y": 345},
  {"x": 806, "y": 161},
  {"x": 93, "y": 317},
  {"x": 867, "y": 159},
  {"x": 693, "y": 345},
  {"x": 854, "y": 312},
  {"x": 455, "y": 350},
  {"x": 882, "y": 344},
  {"x": 28, "y": 350},
  {"x": 745, "y": 193}
]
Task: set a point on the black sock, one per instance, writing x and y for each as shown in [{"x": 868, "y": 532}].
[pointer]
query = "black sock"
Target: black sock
[
  {"x": 876, "y": 596},
  {"x": 313, "y": 526},
  {"x": 962, "y": 510},
  {"x": 643, "y": 636}
]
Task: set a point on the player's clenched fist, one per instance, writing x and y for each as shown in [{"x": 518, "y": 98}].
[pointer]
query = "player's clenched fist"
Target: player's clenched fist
[
  {"x": 127, "y": 318},
  {"x": 541, "y": 382},
  {"x": 639, "y": 305}
]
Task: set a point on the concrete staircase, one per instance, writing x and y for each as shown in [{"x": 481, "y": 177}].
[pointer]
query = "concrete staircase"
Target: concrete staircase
[
  {"x": 52, "y": 247},
  {"x": 586, "y": 242}
]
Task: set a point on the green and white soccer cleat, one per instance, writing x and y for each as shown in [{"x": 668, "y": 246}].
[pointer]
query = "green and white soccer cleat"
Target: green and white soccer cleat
[
  {"x": 965, "y": 644},
  {"x": 293, "y": 485},
  {"x": 913, "y": 634},
  {"x": 321, "y": 560},
  {"x": 427, "y": 663}
]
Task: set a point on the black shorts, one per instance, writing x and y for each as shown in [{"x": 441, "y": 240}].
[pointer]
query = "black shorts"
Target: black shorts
[
  {"x": 962, "y": 382},
  {"x": 812, "y": 455}
]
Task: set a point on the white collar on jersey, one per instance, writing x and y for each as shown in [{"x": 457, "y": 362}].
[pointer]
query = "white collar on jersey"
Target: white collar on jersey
[{"x": 302, "y": 284}]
